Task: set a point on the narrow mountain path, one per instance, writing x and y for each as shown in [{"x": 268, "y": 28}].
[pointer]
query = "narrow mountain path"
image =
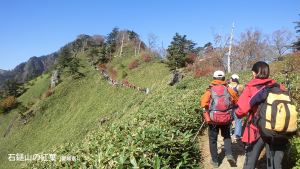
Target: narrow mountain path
[{"x": 238, "y": 153}]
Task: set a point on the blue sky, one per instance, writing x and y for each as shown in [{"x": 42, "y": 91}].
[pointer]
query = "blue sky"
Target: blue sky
[{"x": 39, "y": 27}]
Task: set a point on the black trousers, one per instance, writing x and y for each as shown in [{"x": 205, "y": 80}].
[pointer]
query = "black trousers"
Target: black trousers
[
  {"x": 213, "y": 132},
  {"x": 254, "y": 150}
]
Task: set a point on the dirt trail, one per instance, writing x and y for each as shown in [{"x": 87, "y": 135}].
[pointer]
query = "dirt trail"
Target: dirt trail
[{"x": 238, "y": 153}]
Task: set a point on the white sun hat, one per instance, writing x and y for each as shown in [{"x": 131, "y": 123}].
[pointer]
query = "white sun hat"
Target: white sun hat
[
  {"x": 219, "y": 73},
  {"x": 235, "y": 76}
]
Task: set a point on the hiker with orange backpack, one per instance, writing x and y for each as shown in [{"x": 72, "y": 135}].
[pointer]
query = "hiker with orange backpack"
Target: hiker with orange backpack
[
  {"x": 217, "y": 103},
  {"x": 263, "y": 118}
]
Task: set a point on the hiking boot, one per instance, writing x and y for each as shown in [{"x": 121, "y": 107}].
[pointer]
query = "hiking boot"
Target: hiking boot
[
  {"x": 215, "y": 164},
  {"x": 230, "y": 159},
  {"x": 238, "y": 137}
]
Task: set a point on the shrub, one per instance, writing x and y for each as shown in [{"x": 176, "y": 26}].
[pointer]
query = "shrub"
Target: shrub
[
  {"x": 199, "y": 72},
  {"x": 29, "y": 104},
  {"x": 10, "y": 102},
  {"x": 111, "y": 58},
  {"x": 146, "y": 58},
  {"x": 133, "y": 64},
  {"x": 189, "y": 68},
  {"x": 121, "y": 65},
  {"x": 205, "y": 67},
  {"x": 294, "y": 61},
  {"x": 59, "y": 81},
  {"x": 22, "y": 109},
  {"x": 101, "y": 66},
  {"x": 2, "y": 109},
  {"x": 124, "y": 74},
  {"x": 49, "y": 93},
  {"x": 294, "y": 153},
  {"x": 190, "y": 59},
  {"x": 113, "y": 73}
]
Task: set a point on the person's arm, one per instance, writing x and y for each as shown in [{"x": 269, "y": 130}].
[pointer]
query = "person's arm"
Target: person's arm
[
  {"x": 243, "y": 104},
  {"x": 205, "y": 99}
]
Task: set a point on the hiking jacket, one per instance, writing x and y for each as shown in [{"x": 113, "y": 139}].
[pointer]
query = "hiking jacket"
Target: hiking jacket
[
  {"x": 206, "y": 96},
  {"x": 244, "y": 106}
]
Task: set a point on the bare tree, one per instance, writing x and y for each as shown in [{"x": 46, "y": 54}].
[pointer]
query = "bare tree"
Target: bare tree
[
  {"x": 229, "y": 65},
  {"x": 122, "y": 35},
  {"x": 249, "y": 47},
  {"x": 140, "y": 43},
  {"x": 280, "y": 42},
  {"x": 122, "y": 46},
  {"x": 163, "y": 51},
  {"x": 152, "y": 39},
  {"x": 221, "y": 47},
  {"x": 99, "y": 40},
  {"x": 84, "y": 44}
]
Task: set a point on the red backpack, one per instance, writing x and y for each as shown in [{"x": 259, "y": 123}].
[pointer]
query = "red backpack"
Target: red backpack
[{"x": 220, "y": 106}]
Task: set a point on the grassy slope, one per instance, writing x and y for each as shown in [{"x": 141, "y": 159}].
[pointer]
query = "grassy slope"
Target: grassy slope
[
  {"x": 35, "y": 92},
  {"x": 74, "y": 109}
]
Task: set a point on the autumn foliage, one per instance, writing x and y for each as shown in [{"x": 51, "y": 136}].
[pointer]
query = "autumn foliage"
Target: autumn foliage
[
  {"x": 49, "y": 93},
  {"x": 133, "y": 64},
  {"x": 101, "y": 66},
  {"x": 113, "y": 73},
  {"x": 190, "y": 59},
  {"x": 10, "y": 102},
  {"x": 202, "y": 72},
  {"x": 205, "y": 67},
  {"x": 146, "y": 58},
  {"x": 294, "y": 61},
  {"x": 110, "y": 58}
]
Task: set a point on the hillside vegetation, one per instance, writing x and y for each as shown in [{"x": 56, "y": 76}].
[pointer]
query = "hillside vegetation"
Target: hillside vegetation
[
  {"x": 145, "y": 131},
  {"x": 72, "y": 111}
]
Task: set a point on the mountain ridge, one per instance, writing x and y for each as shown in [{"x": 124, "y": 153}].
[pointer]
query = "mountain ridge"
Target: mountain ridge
[
  {"x": 2, "y": 71},
  {"x": 41, "y": 63}
]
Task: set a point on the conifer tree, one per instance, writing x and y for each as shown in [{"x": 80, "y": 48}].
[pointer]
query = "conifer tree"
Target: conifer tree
[
  {"x": 74, "y": 65},
  {"x": 103, "y": 54},
  {"x": 93, "y": 56},
  {"x": 64, "y": 57},
  {"x": 13, "y": 87},
  {"x": 132, "y": 34},
  {"x": 297, "y": 44},
  {"x": 178, "y": 49}
]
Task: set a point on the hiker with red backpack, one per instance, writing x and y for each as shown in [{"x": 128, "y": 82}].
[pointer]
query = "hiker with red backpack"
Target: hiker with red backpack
[
  {"x": 217, "y": 103},
  {"x": 238, "y": 88},
  {"x": 272, "y": 118}
]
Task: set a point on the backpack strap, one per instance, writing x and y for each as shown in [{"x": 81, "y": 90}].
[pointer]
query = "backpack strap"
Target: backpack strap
[
  {"x": 237, "y": 86},
  {"x": 259, "y": 86}
]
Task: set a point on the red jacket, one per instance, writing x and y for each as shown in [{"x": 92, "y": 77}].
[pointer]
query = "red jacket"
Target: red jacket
[{"x": 244, "y": 107}]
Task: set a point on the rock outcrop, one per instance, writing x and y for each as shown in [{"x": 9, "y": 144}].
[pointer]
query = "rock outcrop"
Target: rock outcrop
[
  {"x": 54, "y": 79},
  {"x": 177, "y": 76}
]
